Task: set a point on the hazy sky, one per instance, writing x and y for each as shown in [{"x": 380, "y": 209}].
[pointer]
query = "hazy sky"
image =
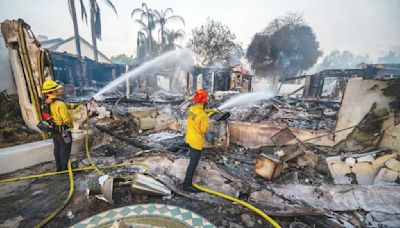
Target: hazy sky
[{"x": 361, "y": 26}]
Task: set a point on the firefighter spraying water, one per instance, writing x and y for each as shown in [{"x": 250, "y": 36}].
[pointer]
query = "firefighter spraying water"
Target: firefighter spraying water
[{"x": 57, "y": 122}]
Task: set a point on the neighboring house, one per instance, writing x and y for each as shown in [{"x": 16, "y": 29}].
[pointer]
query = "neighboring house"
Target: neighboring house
[{"x": 68, "y": 45}]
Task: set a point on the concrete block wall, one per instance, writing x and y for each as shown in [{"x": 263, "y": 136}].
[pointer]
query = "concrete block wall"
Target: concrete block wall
[
  {"x": 26, "y": 155},
  {"x": 365, "y": 170}
]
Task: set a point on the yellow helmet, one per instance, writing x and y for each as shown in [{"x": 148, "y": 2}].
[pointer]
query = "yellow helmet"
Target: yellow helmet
[{"x": 50, "y": 85}]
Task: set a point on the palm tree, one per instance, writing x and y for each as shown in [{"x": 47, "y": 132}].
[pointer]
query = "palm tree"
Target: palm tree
[
  {"x": 162, "y": 18},
  {"x": 72, "y": 11},
  {"x": 147, "y": 23},
  {"x": 141, "y": 44},
  {"x": 171, "y": 36},
  {"x": 95, "y": 23}
]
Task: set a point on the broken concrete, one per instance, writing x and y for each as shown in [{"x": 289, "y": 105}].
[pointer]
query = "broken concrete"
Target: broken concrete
[
  {"x": 393, "y": 164},
  {"x": 380, "y": 161},
  {"x": 386, "y": 176},
  {"x": 368, "y": 158},
  {"x": 365, "y": 173},
  {"x": 339, "y": 170},
  {"x": 383, "y": 201},
  {"x": 384, "y": 220},
  {"x": 359, "y": 168},
  {"x": 350, "y": 161},
  {"x": 391, "y": 134}
]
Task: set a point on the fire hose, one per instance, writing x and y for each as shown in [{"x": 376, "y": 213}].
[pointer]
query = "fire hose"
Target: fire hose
[
  {"x": 241, "y": 202},
  {"x": 71, "y": 178},
  {"x": 35, "y": 98},
  {"x": 251, "y": 207},
  {"x": 66, "y": 201},
  {"x": 94, "y": 167}
]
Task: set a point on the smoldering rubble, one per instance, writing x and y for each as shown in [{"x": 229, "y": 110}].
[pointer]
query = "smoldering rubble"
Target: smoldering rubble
[{"x": 322, "y": 155}]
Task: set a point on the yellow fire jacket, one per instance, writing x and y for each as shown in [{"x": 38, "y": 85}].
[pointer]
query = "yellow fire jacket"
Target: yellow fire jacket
[
  {"x": 197, "y": 126},
  {"x": 60, "y": 113}
]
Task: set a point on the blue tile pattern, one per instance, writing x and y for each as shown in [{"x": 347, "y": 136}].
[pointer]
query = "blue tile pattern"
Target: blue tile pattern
[{"x": 180, "y": 215}]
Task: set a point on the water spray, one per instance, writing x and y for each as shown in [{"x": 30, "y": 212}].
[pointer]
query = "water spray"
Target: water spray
[
  {"x": 245, "y": 100},
  {"x": 182, "y": 58}
]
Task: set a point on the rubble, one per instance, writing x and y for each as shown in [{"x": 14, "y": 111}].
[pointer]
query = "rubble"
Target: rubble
[
  {"x": 380, "y": 161},
  {"x": 364, "y": 172},
  {"x": 146, "y": 185},
  {"x": 268, "y": 167},
  {"x": 248, "y": 220},
  {"x": 361, "y": 168},
  {"x": 284, "y": 154},
  {"x": 382, "y": 200},
  {"x": 339, "y": 170},
  {"x": 101, "y": 187},
  {"x": 290, "y": 147},
  {"x": 367, "y": 158},
  {"x": 393, "y": 164},
  {"x": 293, "y": 113},
  {"x": 386, "y": 176},
  {"x": 307, "y": 159}
]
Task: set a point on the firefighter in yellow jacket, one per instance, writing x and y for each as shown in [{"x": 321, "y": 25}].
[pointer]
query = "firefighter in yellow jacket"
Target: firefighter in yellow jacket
[
  {"x": 197, "y": 126},
  {"x": 60, "y": 119}
]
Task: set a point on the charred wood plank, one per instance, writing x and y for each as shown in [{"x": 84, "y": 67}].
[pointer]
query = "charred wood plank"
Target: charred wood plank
[{"x": 132, "y": 141}]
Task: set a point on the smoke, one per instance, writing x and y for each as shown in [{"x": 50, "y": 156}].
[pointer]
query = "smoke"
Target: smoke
[
  {"x": 246, "y": 100},
  {"x": 262, "y": 84},
  {"x": 390, "y": 58},
  {"x": 342, "y": 60},
  {"x": 284, "y": 60}
]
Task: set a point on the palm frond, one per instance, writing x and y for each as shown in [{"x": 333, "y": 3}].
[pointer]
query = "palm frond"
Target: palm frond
[
  {"x": 70, "y": 6},
  {"x": 175, "y": 17},
  {"x": 144, "y": 30},
  {"x": 157, "y": 14},
  {"x": 144, "y": 16},
  {"x": 83, "y": 11},
  {"x": 141, "y": 34},
  {"x": 144, "y": 6},
  {"x": 137, "y": 10},
  {"x": 168, "y": 10},
  {"x": 181, "y": 31},
  {"x": 173, "y": 35},
  {"x": 97, "y": 21},
  {"x": 141, "y": 23},
  {"x": 109, "y": 3}
]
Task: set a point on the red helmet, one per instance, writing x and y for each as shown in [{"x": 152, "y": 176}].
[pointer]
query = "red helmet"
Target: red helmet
[{"x": 201, "y": 96}]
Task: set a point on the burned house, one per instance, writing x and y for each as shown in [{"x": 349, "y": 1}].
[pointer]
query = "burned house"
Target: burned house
[
  {"x": 331, "y": 83},
  {"x": 173, "y": 79},
  {"x": 32, "y": 65},
  {"x": 219, "y": 79},
  {"x": 323, "y": 160},
  {"x": 85, "y": 72}
]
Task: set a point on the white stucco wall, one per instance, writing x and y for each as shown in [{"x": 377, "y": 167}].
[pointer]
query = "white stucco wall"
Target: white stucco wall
[
  {"x": 29, "y": 154},
  {"x": 357, "y": 101},
  {"x": 6, "y": 76}
]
